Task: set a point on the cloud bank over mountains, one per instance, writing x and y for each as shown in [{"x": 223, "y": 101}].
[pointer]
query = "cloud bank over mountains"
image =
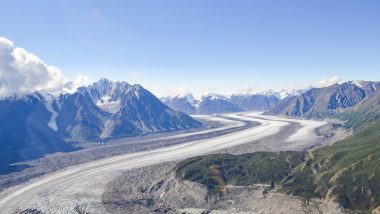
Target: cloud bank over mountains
[
  {"x": 23, "y": 72},
  {"x": 249, "y": 90},
  {"x": 331, "y": 81}
]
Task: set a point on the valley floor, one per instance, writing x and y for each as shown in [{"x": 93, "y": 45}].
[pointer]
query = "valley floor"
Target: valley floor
[{"x": 84, "y": 186}]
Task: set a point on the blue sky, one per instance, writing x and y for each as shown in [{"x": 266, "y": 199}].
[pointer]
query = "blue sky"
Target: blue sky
[{"x": 201, "y": 44}]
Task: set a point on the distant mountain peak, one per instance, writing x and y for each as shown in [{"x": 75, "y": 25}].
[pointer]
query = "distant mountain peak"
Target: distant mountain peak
[
  {"x": 321, "y": 102},
  {"x": 279, "y": 93},
  {"x": 213, "y": 96}
]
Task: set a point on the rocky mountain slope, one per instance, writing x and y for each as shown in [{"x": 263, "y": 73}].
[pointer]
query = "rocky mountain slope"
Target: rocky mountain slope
[
  {"x": 208, "y": 104},
  {"x": 327, "y": 101},
  {"x": 346, "y": 172},
  {"x": 116, "y": 109},
  {"x": 254, "y": 102},
  {"x": 364, "y": 113},
  {"x": 214, "y": 103},
  {"x": 39, "y": 123},
  {"x": 184, "y": 103},
  {"x": 24, "y": 130}
]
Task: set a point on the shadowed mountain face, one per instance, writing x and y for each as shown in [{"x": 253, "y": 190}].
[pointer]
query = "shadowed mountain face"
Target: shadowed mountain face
[
  {"x": 362, "y": 114},
  {"x": 24, "y": 130},
  {"x": 209, "y": 104},
  {"x": 182, "y": 104},
  {"x": 212, "y": 104},
  {"x": 116, "y": 109},
  {"x": 255, "y": 102},
  {"x": 37, "y": 124},
  {"x": 328, "y": 101},
  {"x": 216, "y": 104}
]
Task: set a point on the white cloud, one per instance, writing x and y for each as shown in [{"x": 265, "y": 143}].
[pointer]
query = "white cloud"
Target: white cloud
[
  {"x": 331, "y": 81},
  {"x": 23, "y": 72},
  {"x": 247, "y": 90},
  {"x": 180, "y": 92},
  {"x": 80, "y": 80}
]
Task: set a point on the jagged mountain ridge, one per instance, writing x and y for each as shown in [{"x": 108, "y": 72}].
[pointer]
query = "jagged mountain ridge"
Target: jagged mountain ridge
[
  {"x": 24, "y": 130},
  {"x": 364, "y": 113},
  {"x": 327, "y": 101},
  {"x": 184, "y": 103},
  {"x": 39, "y": 123},
  {"x": 314, "y": 103},
  {"x": 254, "y": 102},
  {"x": 118, "y": 109},
  {"x": 214, "y": 103}
]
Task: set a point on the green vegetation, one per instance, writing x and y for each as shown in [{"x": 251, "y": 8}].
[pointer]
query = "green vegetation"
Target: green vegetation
[
  {"x": 357, "y": 120},
  {"x": 363, "y": 114},
  {"x": 216, "y": 171},
  {"x": 347, "y": 172}
]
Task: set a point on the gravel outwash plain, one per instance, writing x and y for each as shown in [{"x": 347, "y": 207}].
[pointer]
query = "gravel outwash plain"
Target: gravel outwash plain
[{"x": 83, "y": 186}]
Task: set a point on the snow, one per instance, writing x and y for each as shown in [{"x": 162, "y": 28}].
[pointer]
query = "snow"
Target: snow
[
  {"x": 108, "y": 105},
  {"x": 137, "y": 94},
  {"x": 279, "y": 93},
  {"x": 137, "y": 91},
  {"x": 189, "y": 97},
  {"x": 328, "y": 82},
  {"x": 50, "y": 99},
  {"x": 213, "y": 97},
  {"x": 357, "y": 83}
]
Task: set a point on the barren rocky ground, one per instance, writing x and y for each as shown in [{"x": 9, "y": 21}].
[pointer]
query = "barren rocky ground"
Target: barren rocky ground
[{"x": 156, "y": 189}]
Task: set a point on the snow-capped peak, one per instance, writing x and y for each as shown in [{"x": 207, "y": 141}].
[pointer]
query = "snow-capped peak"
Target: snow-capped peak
[
  {"x": 189, "y": 98},
  {"x": 213, "y": 96},
  {"x": 181, "y": 93},
  {"x": 108, "y": 105},
  {"x": 279, "y": 93},
  {"x": 105, "y": 90},
  {"x": 358, "y": 83}
]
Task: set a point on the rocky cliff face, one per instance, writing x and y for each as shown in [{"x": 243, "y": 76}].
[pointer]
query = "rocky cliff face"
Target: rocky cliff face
[{"x": 328, "y": 101}]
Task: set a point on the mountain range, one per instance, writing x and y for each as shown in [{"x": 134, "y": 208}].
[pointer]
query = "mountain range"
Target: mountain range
[
  {"x": 40, "y": 123},
  {"x": 215, "y": 103},
  {"x": 344, "y": 100},
  {"x": 345, "y": 172},
  {"x": 335, "y": 99}
]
